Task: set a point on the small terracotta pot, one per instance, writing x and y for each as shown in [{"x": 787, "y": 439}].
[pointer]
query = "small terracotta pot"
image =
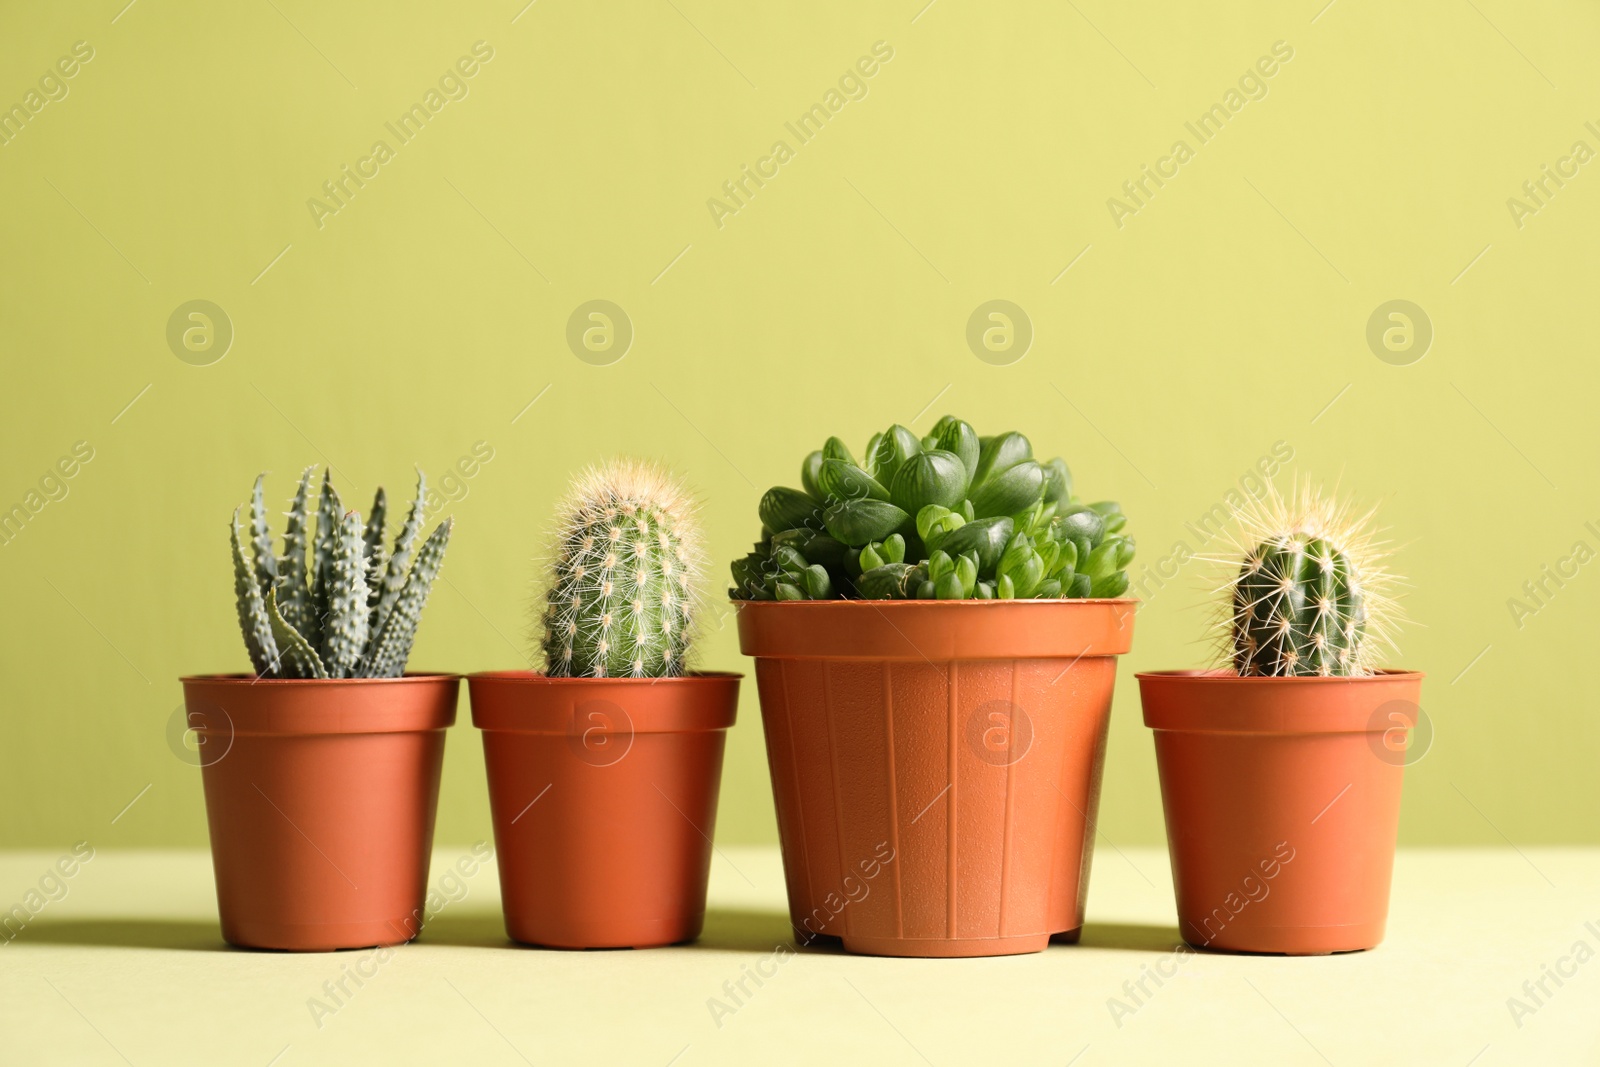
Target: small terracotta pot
[
  {"x": 1282, "y": 801},
  {"x": 604, "y": 798},
  {"x": 936, "y": 765},
  {"x": 321, "y": 798}
]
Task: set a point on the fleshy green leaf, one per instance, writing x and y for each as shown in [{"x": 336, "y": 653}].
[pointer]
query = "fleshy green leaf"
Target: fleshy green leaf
[
  {"x": 253, "y": 621},
  {"x": 296, "y": 658}
]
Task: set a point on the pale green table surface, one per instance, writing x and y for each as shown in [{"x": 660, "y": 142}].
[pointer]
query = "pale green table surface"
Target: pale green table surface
[{"x": 129, "y": 967}]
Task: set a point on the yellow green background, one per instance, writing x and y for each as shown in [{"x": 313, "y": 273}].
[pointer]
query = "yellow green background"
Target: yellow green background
[{"x": 1227, "y": 315}]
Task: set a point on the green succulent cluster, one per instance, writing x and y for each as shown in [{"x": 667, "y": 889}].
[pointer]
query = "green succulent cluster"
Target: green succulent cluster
[
  {"x": 948, "y": 516},
  {"x": 333, "y": 605}
]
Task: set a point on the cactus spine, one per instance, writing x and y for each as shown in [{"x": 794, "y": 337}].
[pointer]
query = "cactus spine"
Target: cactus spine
[
  {"x": 624, "y": 585},
  {"x": 330, "y": 616},
  {"x": 1308, "y": 592}
]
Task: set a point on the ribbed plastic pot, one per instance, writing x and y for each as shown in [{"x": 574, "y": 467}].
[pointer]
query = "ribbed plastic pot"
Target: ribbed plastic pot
[
  {"x": 936, "y": 765},
  {"x": 1282, "y": 801},
  {"x": 321, "y": 797},
  {"x": 603, "y": 793}
]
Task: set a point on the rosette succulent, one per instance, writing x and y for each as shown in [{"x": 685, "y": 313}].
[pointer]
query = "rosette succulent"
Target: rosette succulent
[
  {"x": 336, "y": 605},
  {"x": 948, "y": 516}
]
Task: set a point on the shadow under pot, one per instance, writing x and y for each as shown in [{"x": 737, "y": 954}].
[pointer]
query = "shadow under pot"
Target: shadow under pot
[
  {"x": 1282, "y": 804},
  {"x": 603, "y": 793},
  {"x": 320, "y": 798},
  {"x": 936, "y": 765}
]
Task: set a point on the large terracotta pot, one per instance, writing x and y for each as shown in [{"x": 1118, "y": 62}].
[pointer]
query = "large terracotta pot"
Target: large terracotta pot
[
  {"x": 1282, "y": 800},
  {"x": 936, "y": 765},
  {"x": 321, "y": 796},
  {"x": 604, "y": 798}
]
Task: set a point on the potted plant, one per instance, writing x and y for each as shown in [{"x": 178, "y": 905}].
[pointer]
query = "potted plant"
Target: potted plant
[
  {"x": 1281, "y": 771},
  {"x": 321, "y": 769},
  {"x": 604, "y": 769},
  {"x": 935, "y": 631}
]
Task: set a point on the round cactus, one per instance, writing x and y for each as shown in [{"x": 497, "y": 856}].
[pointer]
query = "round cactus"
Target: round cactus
[
  {"x": 1297, "y": 609},
  {"x": 1302, "y": 599},
  {"x": 624, "y": 585}
]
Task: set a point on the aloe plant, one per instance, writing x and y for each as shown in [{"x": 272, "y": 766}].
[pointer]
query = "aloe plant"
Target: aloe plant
[
  {"x": 332, "y": 606},
  {"x": 1308, "y": 592},
  {"x": 624, "y": 584},
  {"x": 949, "y": 516}
]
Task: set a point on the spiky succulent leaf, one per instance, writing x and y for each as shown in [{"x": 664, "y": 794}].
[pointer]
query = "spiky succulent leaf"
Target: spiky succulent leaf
[
  {"x": 377, "y": 521},
  {"x": 344, "y": 630},
  {"x": 266, "y": 562},
  {"x": 330, "y": 512},
  {"x": 398, "y": 566},
  {"x": 294, "y": 589},
  {"x": 622, "y": 592},
  {"x": 295, "y": 658},
  {"x": 253, "y": 621},
  {"x": 390, "y": 644}
]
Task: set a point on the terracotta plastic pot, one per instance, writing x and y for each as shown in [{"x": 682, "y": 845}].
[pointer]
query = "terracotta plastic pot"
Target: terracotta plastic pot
[
  {"x": 321, "y": 798},
  {"x": 1282, "y": 800},
  {"x": 936, "y": 765},
  {"x": 604, "y": 798}
]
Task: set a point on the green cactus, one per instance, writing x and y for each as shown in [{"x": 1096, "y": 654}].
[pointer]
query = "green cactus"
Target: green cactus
[
  {"x": 624, "y": 585},
  {"x": 1308, "y": 592},
  {"x": 967, "y": 516},
  {"x": 325, "y": 616},
  {"x": 1297, "y": 609}
]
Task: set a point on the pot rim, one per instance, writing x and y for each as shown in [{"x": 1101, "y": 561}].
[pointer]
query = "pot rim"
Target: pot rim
[
  {"x": 1224, "y": 675},
  {"x": 936, "y": 631},
  {"x": 529, "y": 677},
  {"x": 1219, "y": 702},
  {"x": 411, "y": 677},
  {"x": 531, "y": 702},
  {"x": 236, "y": 705},
  {"x": 897, "y": 605}
]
